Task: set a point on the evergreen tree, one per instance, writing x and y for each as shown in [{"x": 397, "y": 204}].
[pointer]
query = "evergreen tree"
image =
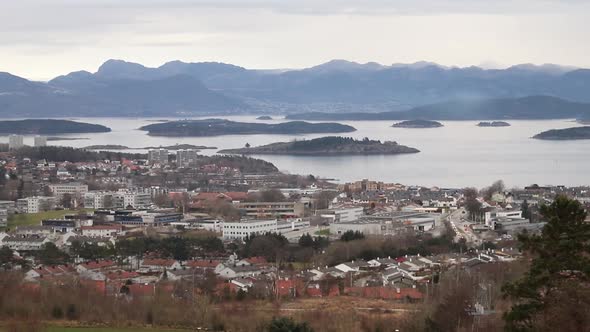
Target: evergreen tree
[{"x": 554, "y": 293}]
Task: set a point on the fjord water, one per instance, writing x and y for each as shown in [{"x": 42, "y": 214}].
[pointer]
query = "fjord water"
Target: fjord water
[{"x": 456, "y": 155}]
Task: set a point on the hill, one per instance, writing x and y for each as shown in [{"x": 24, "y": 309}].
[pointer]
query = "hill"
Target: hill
[
  {"x": 417, "y": 124},
  {"x": 327, "y": 146},
  {"x": 574, "y": 133},
  {"x": 217, "y": 127},
  {"x": 533, "y": 107},
  {"x": 49, "y": 127}
]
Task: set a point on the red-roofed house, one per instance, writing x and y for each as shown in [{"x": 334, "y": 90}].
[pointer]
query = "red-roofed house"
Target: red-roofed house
[{"x": 96, "y": 266}]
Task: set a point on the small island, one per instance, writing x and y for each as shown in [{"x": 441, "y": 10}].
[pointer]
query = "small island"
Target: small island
[
  {"x": 106, "y": 147},
  {"x": 574, "y": 133},
  {"x": 326, "y": 146},
  {"x": 264, "y": 117},
  {"x": 181, "y": 147},
  {"x": 417, "y": 124},
  {"x": 494, "y": 124},
  {"x": 49, "y": 127},
  {"x": 218, "y": 127}
]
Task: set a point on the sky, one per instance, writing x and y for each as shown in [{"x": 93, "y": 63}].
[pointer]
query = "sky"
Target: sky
[{"x": 41, "y": 39}]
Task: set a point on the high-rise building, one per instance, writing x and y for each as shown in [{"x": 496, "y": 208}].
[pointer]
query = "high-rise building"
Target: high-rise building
[
  {"x": 186, "y": 158},
  {"x": 15, "y": 142},
  {"x": 40, "y": 141},
  {"x": 158, "y": 156}
]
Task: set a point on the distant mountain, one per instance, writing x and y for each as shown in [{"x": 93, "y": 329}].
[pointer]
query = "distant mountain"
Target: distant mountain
[
  {"x": 533, "y": 107},
  {"x": 121, "y": 88}
]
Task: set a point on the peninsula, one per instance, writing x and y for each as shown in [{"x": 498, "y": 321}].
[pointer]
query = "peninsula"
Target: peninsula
[
  {"x": 49, "y": 127},
  {"x": 494, "y": 124},
  {"x": 574, "y": 133},
  {"x": 217, "y": 127},
  {"x": 417, "y": 124},
  {"x": 327, "y": 146}
]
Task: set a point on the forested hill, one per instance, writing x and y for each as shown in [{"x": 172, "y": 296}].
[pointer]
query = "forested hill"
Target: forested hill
[
  {"x": 49, "y": 127},
  {"x": 327, "y": 146},
  {"x": 534, "y": 107}
]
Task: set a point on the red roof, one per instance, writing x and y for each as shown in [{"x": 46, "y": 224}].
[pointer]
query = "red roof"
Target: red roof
[
  {"x": 121, "y": 275},
  {"x": 97, "y": 265},
  {"x": 237, "y": 195},
  {"x": 58, "y": 269},
  {"x": 314, "y": 292},
  {"x": 203, "y": 263},
  {"x": 258, "y": 260}
]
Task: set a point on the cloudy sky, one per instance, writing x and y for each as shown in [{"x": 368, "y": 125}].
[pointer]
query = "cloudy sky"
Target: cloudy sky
[{"x": 40, "y": 39}]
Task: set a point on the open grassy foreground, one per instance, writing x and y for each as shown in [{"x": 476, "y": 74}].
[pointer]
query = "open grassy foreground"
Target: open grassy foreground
[{"x": 105, "y": 329}]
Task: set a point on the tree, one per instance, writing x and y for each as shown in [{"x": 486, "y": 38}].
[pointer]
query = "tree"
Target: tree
[
  {"x": 555, "y": 293},
  {"x": 526, "y": 212},
  {"x": 352, "y": 235},
  {"x": 286, "y": 324},
  {"x": 6, "y": 257},
  {"x": 51, "y": 255},
  {"x": 66, "y": 201},
  {"x": 306, "y": 240},
  {"x": 472, "y": 205},
  {"x": 247, "y": 145}
]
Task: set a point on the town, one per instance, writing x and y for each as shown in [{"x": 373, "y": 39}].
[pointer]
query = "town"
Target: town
[{"x": 180, "y": 227}]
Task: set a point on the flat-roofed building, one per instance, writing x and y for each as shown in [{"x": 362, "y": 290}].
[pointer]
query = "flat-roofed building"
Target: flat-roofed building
[
  {"x": 15, "y": 142},
  {"x": 239, "y": 230},
  {"x": 40, "y": 141},
  {"x": 158, "y": 156},
  {"x": 270, "y": 210}
]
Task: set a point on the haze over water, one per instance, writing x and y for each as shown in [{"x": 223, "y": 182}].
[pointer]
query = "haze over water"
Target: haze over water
[{"x": 457, "y": 155}]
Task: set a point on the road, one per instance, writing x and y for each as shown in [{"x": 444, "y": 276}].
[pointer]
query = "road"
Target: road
[{"x": 461, "y": 227}]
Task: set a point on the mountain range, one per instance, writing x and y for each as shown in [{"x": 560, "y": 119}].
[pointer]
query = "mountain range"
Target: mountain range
[{"x": 121, "y": 88}]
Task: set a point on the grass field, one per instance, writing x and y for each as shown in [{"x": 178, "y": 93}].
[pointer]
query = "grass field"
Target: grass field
[{"x": 31, "y": 219}]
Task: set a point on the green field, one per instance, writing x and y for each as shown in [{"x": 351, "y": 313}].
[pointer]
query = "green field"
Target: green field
[{"x": 31, "y": 219}]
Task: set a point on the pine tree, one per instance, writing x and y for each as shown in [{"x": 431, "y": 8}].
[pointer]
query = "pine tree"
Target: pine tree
[{"x": 554, "y": 293}]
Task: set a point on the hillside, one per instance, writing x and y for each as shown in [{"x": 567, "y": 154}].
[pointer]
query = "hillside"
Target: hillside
[
  {"x": 217, "y": 127},
  {"x": 49, "y": 127},
  {"x": 534, "y": 107},
  {"x": 327, "y": 146},
  {"x": 574, "y": 133}
]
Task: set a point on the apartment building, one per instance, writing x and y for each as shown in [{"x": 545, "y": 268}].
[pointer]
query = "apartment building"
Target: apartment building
[
  {"x": 158, "y": 156},
  {"x": 40, "y": 141},
  {"x": 77, "y": 190},
  {"x": 15, "y": 142},
  {"x": 186, "y": 158},
  {"x": 35, "y": 204}
]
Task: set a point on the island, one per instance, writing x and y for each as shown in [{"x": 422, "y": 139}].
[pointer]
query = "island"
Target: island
[
  {"x": 574, "y": 133},
  {"x": 264, "y": 117},
  {"x": 494, "y": 124},
  {"x": 106, "y": 147},
  {"x": 57, "y": 138},
  {"x": 325, "y": 146},
  {"x": 218, "y": 127},
  {"x": 49, "y": 127},
  {"x": 181, "y": 147},
  {"x": 417, "y": 124}
]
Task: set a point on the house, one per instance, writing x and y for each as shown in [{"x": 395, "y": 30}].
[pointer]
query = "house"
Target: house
[
  {"x": 353, "y": 266},
  {"x": 232, "y": 272},
  {"x": 25, "y": 243},
  {"x": 47, "y": 272},
  {"x": 202, "y": 264},
  {"x": 159, "y": 265},
  {"x": 96, "y": 266},
  {"x": 101, "y": 230}
]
